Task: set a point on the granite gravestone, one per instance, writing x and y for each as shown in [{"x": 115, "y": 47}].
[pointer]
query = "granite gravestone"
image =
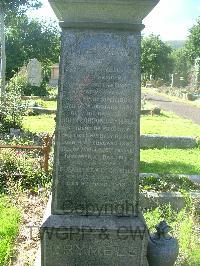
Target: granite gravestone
[
  {"x": 94, "y": 217},
  {"x": 34, "y": 72}
]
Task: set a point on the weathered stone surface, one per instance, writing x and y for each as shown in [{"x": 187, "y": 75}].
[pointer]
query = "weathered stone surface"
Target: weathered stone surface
[
  {"x": 97, "y": 150},
  {"x": 152, "y": 199},
  {"x": 101, "y": 241},
  {"x": 109, "y": 11},
  {"x": 54, "y": 75},
  {"x": 34, "y": 69},
  {"x": 97, "y": 137},
  {"x": 157, "y": 141}
]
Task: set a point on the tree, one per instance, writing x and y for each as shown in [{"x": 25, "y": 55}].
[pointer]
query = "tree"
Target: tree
[
  {"x": 181, "y": 64},
  {"x": 193, "y": 42},
  {"x": 156, "y": 61},
  {"x": 7, "y": 9},
  {"x": 27, "y": 39},
  {"x": 2, "y": 53}
]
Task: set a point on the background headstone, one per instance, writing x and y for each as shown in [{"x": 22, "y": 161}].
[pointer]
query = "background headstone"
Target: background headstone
[
  {"x": 54, "y": 75},
  {"x": 175, "y": 80},
  {"x": 34, "y": 72}
]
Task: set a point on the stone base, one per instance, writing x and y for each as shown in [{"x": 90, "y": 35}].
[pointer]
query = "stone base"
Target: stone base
[{"x": 93, "y": 241}]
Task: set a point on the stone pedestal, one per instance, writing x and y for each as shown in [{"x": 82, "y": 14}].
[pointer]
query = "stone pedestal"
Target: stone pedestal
[{"x": 94, "y": 217}]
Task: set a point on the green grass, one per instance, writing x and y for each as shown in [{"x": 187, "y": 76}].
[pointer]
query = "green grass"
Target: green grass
[
  {"x": 168, "y": 124},
  {"x": 50, "y": 104},
  {"x": 39, "y": 123},
  {"x": 170, "y": 161},
  {"x": 9, "y": 227}
]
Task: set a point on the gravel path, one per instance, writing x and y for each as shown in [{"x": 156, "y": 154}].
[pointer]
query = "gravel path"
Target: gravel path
[
  {"x": 180, "y": 109},
  {"x": 28, "y": 240}
]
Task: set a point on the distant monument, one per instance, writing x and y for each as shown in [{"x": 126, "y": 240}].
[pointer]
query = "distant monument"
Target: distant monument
[
  {"x": 34, "y": 71},
  {"x": 54, "y": 75},
  {"x": 175, "y": 80},
  {"x": 95, "y": 218}
]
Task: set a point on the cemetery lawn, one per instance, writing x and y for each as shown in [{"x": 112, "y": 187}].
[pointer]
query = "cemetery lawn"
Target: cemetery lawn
[
  {"x": 50, "y": 104},
  {"x": 168, "y": 124},
  {"x": 39, "y": 123},
  {"x": 9, "y": 228},
  {"x": 170, "y": 161}
]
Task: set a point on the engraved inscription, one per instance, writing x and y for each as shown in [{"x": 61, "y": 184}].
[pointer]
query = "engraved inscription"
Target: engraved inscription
[{"x": 96, "y": 119}]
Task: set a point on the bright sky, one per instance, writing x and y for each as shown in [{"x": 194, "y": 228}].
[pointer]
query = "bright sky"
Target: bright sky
[{"x": 170, "y": 19}]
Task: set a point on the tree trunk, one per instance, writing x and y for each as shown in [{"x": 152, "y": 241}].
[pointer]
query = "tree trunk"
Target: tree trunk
[{"x": 3, "y": 53}]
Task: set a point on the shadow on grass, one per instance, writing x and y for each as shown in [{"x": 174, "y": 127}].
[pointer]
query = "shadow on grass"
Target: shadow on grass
[
  {"x": 155, "y": 115},
  {"x": 158, "y": 100},
  {"x": 172, "y": 167}
]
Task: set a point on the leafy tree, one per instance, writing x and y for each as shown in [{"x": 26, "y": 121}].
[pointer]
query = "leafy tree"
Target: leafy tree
[
  {"x": 181, "y": 64},
  {"x": 193, "y": 42},
  {"x": 12, "y": 112},
  {"x": 8, "y": 10},
  {"x": 19, "y": 5},
  {"x": 156, "y": 61},
  {"x": 27, "y": 39}
]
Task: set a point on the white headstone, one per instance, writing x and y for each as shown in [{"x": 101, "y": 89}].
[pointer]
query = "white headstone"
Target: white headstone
[{"x": 34, "y": 70}]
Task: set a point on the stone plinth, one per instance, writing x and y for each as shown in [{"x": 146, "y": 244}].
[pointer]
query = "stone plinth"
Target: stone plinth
[
  {"x": 90, "y": 240},
  {"x": 102, "y": 11},
  {"x": 96, "y": 167}
]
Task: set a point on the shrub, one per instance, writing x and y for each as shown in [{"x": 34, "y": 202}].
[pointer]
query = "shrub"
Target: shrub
[
  {"x": 12, "y": 110},
  {"x": 23, "y": 169},
  {"x": 20, "y": 83},
  {"x": 35, "y": 90},
  {"x": 52, "y": 92}
]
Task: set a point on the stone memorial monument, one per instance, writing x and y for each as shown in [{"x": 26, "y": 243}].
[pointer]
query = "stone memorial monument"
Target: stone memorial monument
[
  {"x": 54, "y": 75},
  {"x": 175, "y": 80},
  {"x": 95, "y": 218},
  {"x": 34, "y": 72}
]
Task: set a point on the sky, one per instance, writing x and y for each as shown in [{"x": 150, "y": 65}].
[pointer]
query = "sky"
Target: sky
[{"x": 171, "y": 19}]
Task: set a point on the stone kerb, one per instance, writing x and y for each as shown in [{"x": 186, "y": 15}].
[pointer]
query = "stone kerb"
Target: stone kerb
[{"x": 157, "y": 141}]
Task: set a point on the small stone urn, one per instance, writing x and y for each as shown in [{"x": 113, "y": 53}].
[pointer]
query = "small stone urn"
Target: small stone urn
[{"x": 162, "y": 248}]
